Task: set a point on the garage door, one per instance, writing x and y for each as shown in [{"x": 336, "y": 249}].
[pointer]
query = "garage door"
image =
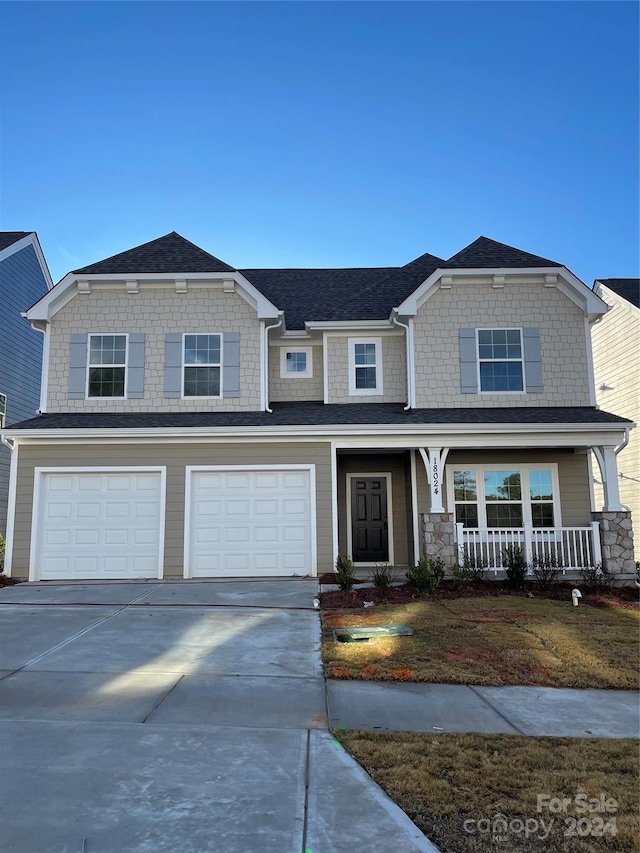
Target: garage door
[
  {"x": 99, "y": 525},
  {"x": 253, "y": 523}
]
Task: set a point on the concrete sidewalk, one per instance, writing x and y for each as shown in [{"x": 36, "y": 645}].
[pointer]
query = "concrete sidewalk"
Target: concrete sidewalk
[{"x": 162, "y": 717}]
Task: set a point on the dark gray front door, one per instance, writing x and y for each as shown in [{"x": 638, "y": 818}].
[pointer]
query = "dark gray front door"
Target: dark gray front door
[{"x": 370, "y": 534}]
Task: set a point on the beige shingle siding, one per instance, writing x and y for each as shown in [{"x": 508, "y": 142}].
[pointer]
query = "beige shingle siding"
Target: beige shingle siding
[
  {"x": 562, "y": 338},
  {"x": 616, "y": 360},
  {"x": 294, "y": 389},
  {"x": 175, "y": 456},
  {"x": 155, "y": 312},
  {"x": 394, "y": 375}
]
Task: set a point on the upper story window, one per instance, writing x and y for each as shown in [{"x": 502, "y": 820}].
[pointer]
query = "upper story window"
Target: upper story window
[
  {"x": 365, "y": 366},
  {"x": 296, "y": 363},
  {"x": 202, "y": 365},
  {"x": 3, "y": 410},
  {"x": 107, "y": 366},
  {"x": 500, "y": 360},
  {"x": 500, "y": 496}
]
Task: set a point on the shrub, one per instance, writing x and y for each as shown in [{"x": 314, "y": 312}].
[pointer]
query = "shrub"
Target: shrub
[
  {"x": 382, "y": 576},
  {"x": 516, "y": 564},
  {"x": 463, "y": 575},
  {"x": 597, "y": 578},
  {"x": 426, "y": 575},
  {"x": 345, "y": 573},
  {"x": 546, "y": 571}
]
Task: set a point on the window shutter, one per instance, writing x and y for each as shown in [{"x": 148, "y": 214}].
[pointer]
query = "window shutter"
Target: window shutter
[
  {"x": 77, "y": 367},
  {"x": 468, "y": 362},
  {"x": 135, "y": 366},
  {"x": 231, "y": 364},
  {"x": 532, "y": 360},
  {"x": 173, "y": 364}
]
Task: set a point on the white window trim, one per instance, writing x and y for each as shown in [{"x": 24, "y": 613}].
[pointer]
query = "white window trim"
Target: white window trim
[
  {"x": 210, "y": 396},
  {"x": 523, "y": 468},
  {"x": 125, "y": 365},
  {"x": 3, "y": 411},
  {"x": 364, "y": 392},
  {"x": 306, "y": 374},
  {"x": 367, "y": 475},
  {"x": 495, "y": 360}
]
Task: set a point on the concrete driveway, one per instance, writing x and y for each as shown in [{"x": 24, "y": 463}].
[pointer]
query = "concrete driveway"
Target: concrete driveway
[{"x": 176, "y": 716}]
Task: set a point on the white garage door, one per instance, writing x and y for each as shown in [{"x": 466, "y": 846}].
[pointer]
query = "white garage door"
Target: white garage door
[
  {"x": 253, "y": 523},
  {"x": 99, "y": 525}
]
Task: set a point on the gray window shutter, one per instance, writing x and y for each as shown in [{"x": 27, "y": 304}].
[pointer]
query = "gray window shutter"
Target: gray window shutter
[
  {"x": 468, "y": 362},
  {"x": 77, "y": 367},
  {"x": 231, "y": 364},
  {"x": 135, "y": 366},
  {"x": 173, "y": 364},
  {"x": 532, "y": 361}
]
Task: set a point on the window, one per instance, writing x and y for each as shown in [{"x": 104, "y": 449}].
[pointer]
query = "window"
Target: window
[
  {"x": 365, "y": 369},
  {"x": 3, "y": 410},
  {"x": 504, "y": 496},
  {"x": 202, "y": 365},
  {"x": 500, "y": 360},
  {"x": 296, "y": 363},
  {"x": 107, "y": 366}
]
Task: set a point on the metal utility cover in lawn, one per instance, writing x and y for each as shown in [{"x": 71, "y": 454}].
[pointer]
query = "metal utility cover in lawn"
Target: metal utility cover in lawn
[{"x": 370, "y": 633}]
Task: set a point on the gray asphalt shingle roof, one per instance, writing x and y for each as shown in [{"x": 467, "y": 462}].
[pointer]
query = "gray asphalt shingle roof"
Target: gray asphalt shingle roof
[
  {"x": 488, "y": 253},
  {"x": 8, "y": 238},
  {"x": 319, "y": 414},
  {"x": 628, "y": 288},
  {"x": 168, "y": 254}
]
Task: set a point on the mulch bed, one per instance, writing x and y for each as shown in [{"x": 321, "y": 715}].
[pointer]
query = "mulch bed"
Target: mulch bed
[
  {"x": 5, "y": 581},
  {"x": 625, "y": 597}
]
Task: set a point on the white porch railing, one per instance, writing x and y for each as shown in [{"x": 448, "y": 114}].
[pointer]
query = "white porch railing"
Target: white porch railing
[{"x": 561, "y": 547}]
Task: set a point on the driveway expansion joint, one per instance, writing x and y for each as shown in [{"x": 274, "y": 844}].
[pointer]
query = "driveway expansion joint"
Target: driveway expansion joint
[{"x": 496, "y": 711}]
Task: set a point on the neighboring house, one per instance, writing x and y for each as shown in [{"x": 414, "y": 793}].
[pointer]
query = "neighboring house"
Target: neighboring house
[
  {"x": 24, "y": 278},
  {"x": 616, "y": 360},
  {"x": 205, "y": 421}
]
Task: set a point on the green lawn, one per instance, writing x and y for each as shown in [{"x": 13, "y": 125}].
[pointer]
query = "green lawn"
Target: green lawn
[
  {"x": 454, "y": 785},
  {"x": 492, "y": 641}
]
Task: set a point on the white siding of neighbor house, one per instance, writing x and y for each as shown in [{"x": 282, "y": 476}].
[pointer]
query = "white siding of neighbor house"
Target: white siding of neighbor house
[
  {"x": 616, "y": 361},
  {"x": 394, "y": 372},
  {"x": 155, "y": 313},
  {"x": 562, "y": 339},
  {"x": 294, "y": 389}
]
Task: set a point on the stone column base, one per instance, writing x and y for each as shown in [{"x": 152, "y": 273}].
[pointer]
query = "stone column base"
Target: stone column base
[
  {"x": 616, "y": 540},
  {"x": 438, "y": 537}
]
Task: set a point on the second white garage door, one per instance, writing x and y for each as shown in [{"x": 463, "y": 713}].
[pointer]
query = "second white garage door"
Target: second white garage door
[{"x": 249, "y": 522}]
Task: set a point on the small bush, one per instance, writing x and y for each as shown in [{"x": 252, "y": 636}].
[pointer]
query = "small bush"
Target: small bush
[
  {"x": 465, "y": 575},
  {"x": 546, "y": 571},
  {"x": 382, "y": 576},
  {"x": 597, "y": 578},
  {"x": 345, "y": 573},
  {"x": 426, "y": 575},
  {"x": 516, "y": 564}
]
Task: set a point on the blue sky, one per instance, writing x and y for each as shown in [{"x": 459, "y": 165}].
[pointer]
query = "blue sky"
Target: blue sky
[{"x": 323, "y": 134}]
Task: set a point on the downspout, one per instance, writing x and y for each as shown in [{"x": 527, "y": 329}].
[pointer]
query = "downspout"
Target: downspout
[
  {"x": 619, "y": 450},
  {"x": 266, "y": 361},
  {"x": 6, "y": 443},
  {"x": 409, "y": 360}
]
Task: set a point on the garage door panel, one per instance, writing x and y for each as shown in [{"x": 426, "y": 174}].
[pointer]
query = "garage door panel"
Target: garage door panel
[
  {"x": 267, "y": 543},
  {"x": 116, "y": 534}
]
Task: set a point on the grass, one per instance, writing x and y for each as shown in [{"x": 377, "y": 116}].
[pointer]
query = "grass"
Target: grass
[
  {"x": 441, "y": 781},
  {"x": 491, "y": 641}
]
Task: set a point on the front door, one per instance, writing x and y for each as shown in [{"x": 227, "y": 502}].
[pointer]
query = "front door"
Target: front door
[{"x": 370, "y": 533}]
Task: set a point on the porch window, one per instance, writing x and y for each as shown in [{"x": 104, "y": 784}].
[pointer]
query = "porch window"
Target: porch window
[
  {"x": 107, "y": 366},
  {"x": 504, "y": 496},
  {"x": 202, "y": 365}
]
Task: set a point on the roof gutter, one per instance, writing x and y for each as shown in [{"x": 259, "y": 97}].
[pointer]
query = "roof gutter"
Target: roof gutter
[{"x": 408, "y": 327}]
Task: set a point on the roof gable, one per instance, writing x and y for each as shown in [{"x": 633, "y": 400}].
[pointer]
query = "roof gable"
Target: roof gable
[
  {"x": 8, "y": 238},
  {"x": 487, "y": 253},
  {"x": 627, "y": 288},
  {"x": 169, "y": 254}
]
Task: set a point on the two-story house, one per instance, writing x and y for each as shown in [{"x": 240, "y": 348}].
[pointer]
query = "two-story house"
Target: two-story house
[
  {"x": 24, "y": 278},
  {"x": 205, "y": 421},
  {"x": 616, "y": 360}
]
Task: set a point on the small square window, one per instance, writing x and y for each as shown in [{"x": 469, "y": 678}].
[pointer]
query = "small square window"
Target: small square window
[{"x": 296, "y": 363}]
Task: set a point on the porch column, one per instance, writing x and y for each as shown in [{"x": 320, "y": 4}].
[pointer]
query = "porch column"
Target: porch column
[
  {"x": 434, "y": 459},
  {"x": 608, "y": 464}
]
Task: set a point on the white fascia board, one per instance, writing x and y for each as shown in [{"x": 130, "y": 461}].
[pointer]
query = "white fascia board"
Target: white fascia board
[
  {"x": 346, "y": 325},
  {"x": 454, "y": 435},
  {"x": 576, "y": 290},
  {"x": 66, "y": 289},
  {"x": 30, "y": 240}
]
